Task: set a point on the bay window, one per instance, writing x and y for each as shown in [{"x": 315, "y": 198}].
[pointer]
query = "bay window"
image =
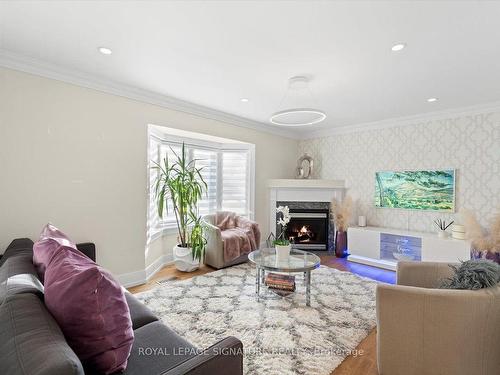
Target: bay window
[{"x": 227, "y": 168}]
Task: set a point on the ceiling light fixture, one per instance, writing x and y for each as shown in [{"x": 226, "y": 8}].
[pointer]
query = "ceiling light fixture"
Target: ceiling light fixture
[
  {"x": 298, "y": 92},
  {"x": 398, "y": 47},
  {"x": 244, "y": 100},
  {"x": 105, "y": 50},
  {"x": 432, "y": 100}
]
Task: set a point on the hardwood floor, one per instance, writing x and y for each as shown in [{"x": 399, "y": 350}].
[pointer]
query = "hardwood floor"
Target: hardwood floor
[{"x": 365, "y": 363}]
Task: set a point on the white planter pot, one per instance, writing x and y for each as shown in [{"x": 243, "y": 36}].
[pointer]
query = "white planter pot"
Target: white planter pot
[
  {"x": 184, "y": 260},
  {"x": 282, "y": 252},
  {"x": 442, "y": 234}
]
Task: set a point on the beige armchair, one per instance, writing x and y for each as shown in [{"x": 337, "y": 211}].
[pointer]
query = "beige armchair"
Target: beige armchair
[
  {"x": 229, "y": 244},
  {"x": 422, "y": 330}
]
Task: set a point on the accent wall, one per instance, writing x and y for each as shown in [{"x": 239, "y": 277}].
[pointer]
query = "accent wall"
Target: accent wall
[{"x": 469, "y": 142}]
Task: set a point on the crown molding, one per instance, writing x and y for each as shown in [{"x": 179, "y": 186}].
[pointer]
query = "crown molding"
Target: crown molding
[
  {"x": 406, "y": 120},
  {"x": 45, "y": 69}
]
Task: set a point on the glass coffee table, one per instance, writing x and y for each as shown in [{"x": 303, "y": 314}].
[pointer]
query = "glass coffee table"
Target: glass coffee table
[{"x": 297, "y": 262}]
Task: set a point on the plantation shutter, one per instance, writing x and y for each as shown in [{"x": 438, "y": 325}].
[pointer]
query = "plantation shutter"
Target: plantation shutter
[
  {"x": 207, "y": 160},
  {"x": 235, "y": 177}
]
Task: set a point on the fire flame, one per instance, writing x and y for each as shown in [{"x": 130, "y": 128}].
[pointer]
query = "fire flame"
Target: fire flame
[{"x": 303, "y": 230}]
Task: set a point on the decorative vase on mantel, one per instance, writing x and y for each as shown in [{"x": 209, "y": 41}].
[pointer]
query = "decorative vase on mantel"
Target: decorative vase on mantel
[{"x": 341, "y": 244}]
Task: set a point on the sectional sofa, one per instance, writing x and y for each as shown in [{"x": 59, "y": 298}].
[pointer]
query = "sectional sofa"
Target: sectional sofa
[{"x": 33, "y": 343}]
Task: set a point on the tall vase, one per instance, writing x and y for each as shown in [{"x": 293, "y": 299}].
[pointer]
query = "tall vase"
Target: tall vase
[{"x": 341, "y": 244}]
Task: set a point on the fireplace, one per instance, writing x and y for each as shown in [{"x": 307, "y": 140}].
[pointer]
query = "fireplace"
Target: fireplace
[
  {"x": 306, "y": 196},
  {"x": 308, "y": 228}
]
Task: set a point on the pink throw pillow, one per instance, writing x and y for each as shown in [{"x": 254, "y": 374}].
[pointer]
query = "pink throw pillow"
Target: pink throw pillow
[{"x": 88, "y": 304}]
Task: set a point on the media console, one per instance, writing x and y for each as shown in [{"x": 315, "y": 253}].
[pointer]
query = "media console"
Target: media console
[{"x": 383, "y": 247}]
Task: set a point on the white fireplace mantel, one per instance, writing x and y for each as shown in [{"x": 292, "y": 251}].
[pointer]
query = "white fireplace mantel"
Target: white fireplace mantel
[
  {"x": 306, "y": 184},
  {"x": 302, "y": 190}
]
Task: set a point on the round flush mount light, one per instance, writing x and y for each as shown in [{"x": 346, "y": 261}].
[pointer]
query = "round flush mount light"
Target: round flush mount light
[
  {"x": 398, "y": 47},
  {"x": 432, "y": 100},
  {"x": 298, "y": 92},
  {"x": 244, "y": 100},
  {"x": 105, "y": 50}
]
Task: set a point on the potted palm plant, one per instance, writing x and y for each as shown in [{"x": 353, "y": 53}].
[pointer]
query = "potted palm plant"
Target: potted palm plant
[{"x": 179, "y": 186}]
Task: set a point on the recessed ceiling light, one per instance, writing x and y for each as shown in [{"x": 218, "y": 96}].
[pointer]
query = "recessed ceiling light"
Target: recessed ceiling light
[
  {"x": 398, "y": 47},
  {"x": 105, "y": 50},
  {"x": 431, "y": 100},
  {"x": 244, "y": 100}
]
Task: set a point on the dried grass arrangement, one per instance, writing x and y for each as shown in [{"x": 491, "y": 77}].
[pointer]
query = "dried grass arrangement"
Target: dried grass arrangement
[
  {"x": 485, "y": 244},
  {"x": 341, "y": 213}
]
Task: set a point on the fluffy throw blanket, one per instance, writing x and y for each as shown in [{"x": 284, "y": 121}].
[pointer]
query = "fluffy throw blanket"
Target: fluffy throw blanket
[
  {"x": 473, "y": 274},
  {"x": 239, "y": 234}
]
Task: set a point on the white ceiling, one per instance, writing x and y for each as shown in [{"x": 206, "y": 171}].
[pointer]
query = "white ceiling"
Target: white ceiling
[{"x": 213, "y": 53}]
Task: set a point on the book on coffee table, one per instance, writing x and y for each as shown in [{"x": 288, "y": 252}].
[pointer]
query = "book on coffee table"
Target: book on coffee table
[{"x": 280, "y": 282}]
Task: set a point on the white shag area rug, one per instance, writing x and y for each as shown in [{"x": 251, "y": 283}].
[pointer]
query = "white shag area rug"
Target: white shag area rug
[{"x": 280, "y": 335}]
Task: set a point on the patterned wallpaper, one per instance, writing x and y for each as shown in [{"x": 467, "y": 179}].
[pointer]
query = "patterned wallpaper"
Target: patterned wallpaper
[{"x": 470, "y": 144}]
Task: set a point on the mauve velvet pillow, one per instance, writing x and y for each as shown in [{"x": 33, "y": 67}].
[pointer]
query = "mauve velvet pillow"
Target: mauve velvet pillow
[
  {"x": 48, "y": 243},
  {"x": 88, "y": 304}
]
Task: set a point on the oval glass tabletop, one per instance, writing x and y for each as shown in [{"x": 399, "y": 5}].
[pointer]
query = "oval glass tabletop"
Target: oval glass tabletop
[{"x": 297, "y": 261}]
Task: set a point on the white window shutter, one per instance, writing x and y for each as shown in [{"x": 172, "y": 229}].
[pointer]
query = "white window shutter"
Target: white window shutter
[
  {"x": 235, "y": 186},
  {"x": 207, "y": 160}
]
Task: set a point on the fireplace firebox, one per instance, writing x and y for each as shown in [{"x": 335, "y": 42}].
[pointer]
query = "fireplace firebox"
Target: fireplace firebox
[{"x": 308, "y": 229}]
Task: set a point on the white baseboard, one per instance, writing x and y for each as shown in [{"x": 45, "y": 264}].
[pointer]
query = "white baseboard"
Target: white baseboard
[
  {"x": 132, "y": 278},
  {"x": 143, "y": 276},
  {"x": 157, "y": 265}
]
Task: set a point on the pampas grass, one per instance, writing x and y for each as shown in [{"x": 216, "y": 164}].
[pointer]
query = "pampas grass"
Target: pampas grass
[
  {"x": 342, "y": 213},
  {"x": 480, "y": 238},
  {"x": 495, "y": 232}
]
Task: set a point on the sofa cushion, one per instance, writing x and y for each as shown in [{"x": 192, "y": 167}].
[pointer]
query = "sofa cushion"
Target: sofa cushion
[
  {"x": 87, "y": 303},
  {"x": 139, "y": 313},
  {"x": 32, "y": 342},
  {"x": 18, "y": 275},
  {"x": 157, "y": 349},
  {"x": 18, "y": 247}
]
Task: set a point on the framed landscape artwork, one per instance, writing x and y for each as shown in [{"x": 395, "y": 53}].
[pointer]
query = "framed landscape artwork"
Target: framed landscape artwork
[{"x": 416, "y": 190}]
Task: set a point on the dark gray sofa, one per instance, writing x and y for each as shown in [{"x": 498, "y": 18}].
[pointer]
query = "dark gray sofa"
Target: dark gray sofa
[{"x": 32, "y": 342}]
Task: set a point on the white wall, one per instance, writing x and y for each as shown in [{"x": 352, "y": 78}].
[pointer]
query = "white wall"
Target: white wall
[
  {"x": 77, "y": 157},
  {"x": 469, "y": 143}
]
